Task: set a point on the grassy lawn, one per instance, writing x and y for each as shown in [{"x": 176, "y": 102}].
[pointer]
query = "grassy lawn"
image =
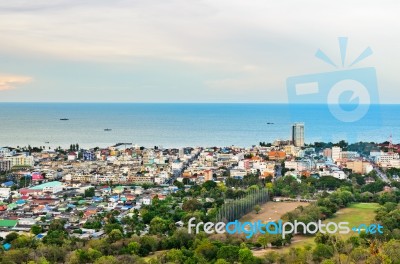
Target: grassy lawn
[{"x": 355, "y": 214}]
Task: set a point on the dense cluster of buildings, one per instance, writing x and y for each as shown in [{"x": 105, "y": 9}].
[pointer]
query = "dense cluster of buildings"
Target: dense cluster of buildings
[{"x": 46, "y": 184}]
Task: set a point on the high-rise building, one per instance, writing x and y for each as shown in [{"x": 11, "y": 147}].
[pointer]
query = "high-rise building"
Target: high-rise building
[
  {"x": 298, "y": 134},
  {"x": 336, "y": 153}
]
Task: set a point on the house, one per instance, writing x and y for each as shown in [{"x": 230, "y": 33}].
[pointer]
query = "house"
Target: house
[
  {"x": 26, "y": 221},
  {"x": 8, "y": 224},
  {"x": 5, "y": 193},
  {"x": 369, "y": 180},
  {"x": 72, "y": 156},
  {"x": 7, "y": 184},
  {"x": 146, "y": 200},
  {"x": 48, "y": 187}
]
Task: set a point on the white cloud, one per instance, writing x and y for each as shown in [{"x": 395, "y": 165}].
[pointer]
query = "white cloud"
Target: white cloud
[
  {"x": 8, "y": 82},
  {"x": 229, "y": 43}
]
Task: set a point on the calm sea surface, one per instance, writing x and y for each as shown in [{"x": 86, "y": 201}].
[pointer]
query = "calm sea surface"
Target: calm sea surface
[{"x": 178, "y": 125}]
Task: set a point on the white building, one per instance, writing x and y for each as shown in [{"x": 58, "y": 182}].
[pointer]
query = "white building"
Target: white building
[
  {"x": 297, "y": 165},
  {"x": 5, "y": 192},
  {"x": 20, "y": 160},
  {"x": 339, "y": 175},
  {"x": 72, "y": 156},
  {"x": 336, "y": 151},
  {"x": 349, "y": 155}
]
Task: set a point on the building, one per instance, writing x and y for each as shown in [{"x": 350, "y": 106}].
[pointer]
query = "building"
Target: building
[
  {"x": 359, "y": 166},
  {"x": 72, "y": 156},
  {"x": 208, "y": 175},
  {"x": 5, "y": 193},
  {"x": 48, "y": 187},
  {"x": 5, "y": 165},
  {"x": 298, "y": 134},
  {"x": 6, "y": 152},
  {"x": 20, "y": 160},
  {"x": 386, "y": 159},
  {"x": 276, "y": 155},
  {"x": 349, "y": 155},
  {"x": 89, "y": 156},
  {"x": 297, "y": 165},
  {"x": 327, "y": 153},
  {"x": 336, "y": 153}
]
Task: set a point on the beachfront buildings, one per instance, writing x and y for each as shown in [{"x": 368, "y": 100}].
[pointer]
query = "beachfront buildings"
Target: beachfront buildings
[{"x": 298, "y": 134}]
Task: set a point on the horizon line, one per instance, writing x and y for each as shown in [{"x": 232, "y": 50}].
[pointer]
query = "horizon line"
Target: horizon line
[{"x": 109, "y": 102}]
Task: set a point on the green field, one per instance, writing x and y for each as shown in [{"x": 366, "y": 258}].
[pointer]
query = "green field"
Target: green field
[{"x": 355, "y": 214}]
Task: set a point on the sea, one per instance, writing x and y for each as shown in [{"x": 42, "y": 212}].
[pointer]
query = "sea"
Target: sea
[{"x": 171, "y": 125}]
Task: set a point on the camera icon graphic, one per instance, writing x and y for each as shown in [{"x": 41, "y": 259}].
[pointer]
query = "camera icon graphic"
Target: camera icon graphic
[{"x": 347, "y": 93}]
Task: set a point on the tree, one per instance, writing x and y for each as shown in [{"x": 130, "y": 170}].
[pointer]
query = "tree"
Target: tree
[
  {"x": 115, "y": 235},
  {"x": 10, "y": 237},
  {"x": 179, "y": 184},
  {"x": 36, "y": 229},
  {"x": 207, "y": 250},
  {"x": 110, "y": 227},
  {"x": 263, "y": 240},
  {"x": 55, "y": 237},
  {"x": 246, "y": 256},
  {"x": 106, "y": 260},
  {"x": 175, "y": 256},
  {"x": 158, "y": 225},
  {"x": 147, "y": 244},
  {"x": 392, "y": 250},
  {"x": 133, "y": 247},
  {"x": 191, "y": 205},
  {"x": 209, "y": 185},
  {"x": 322, "y": 251},
  {"x": 229, "y": 253},
  {"x": 257, "y": 208},
  {"x": 221, "y": 261},
  {"x": 89, "y": 192}
]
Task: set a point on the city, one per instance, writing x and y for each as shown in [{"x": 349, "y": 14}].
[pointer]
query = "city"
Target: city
[{"x": 83, "y": 188}]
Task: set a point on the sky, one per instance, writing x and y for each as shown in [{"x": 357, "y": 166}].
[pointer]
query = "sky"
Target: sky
[{"x": 187, "y": 50}]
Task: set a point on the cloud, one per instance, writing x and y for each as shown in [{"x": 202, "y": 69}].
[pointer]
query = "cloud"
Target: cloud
[{"x": 8, "y": 82}]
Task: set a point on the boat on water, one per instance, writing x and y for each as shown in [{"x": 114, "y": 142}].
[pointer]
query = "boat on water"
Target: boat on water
[
  {"x": 270, "y": 123},
  {"x": 64, "y": 119},
  {"x": 107, "y": 129}
]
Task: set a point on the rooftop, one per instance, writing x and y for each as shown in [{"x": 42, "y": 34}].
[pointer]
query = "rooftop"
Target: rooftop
[
  {"x": 8, "y": 223},
  {"x": 47, "y": 184}
]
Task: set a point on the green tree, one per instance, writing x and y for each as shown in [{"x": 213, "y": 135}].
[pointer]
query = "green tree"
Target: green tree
[
  {"x": 36, "y": 229},
  {"x": 207, "y": 250},
  {"x": 107, "y": 260},
  {"x": 158, "y": 225},
  {"x": 229, "y": 253},
  {"x": 133, "y": 247},
  {"x": 175, "y": 256},
  {"x": 322, "y": 251},
  {"x": 89, "y": 192},
  {"x": 246, "y": 256},
  {"x": 191, "y": 205},
  {"x": 10, "y": 237},
  {"x": 221, "y": 261},
  {"x": 208, "y": 185},
  {"x": 115, "y": 235}
]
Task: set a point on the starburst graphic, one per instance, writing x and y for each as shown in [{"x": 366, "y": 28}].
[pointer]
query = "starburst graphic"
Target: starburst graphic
[{"x": 343, "y": 52}]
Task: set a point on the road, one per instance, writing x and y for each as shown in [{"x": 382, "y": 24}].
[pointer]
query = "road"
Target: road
[{"x": 381, "y": 175}]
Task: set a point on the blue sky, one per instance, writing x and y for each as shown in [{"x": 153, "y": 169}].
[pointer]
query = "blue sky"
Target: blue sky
[{"x": 186, "y": 51}]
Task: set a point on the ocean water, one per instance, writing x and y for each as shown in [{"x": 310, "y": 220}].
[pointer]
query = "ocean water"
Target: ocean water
[{"x": 179, "y": 125}]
